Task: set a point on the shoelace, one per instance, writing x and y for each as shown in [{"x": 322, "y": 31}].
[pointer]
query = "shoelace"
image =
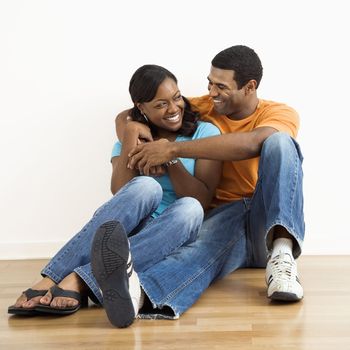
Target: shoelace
[{"x": 281, "y": 268}]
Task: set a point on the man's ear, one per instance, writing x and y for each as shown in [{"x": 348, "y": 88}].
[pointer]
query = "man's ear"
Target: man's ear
[{"x": 250, "y": 87}]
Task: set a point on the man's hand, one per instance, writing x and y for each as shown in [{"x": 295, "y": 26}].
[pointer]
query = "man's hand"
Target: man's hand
[{"x": 150, "y": 154}]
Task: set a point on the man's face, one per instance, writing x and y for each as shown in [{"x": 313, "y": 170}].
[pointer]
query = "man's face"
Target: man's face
[{"x": 227, "y": 98}]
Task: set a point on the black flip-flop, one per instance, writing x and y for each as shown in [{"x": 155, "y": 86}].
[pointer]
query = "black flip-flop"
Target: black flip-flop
[
  {"x": 59, "y": 292},
  {"x": 30, "y": 294},
  {"x": 109, "y": 258}
]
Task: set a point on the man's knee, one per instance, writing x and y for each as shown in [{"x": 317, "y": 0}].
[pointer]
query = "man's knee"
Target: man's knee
[
  {"x": 278, "y": 140},
  {"x": 280, "y": 143}
]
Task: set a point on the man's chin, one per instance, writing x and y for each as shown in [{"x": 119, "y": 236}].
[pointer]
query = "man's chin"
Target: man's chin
[{"x": 219, "y": 110}]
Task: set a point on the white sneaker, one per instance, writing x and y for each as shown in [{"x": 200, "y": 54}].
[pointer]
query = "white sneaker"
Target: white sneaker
[
  {"x": 134, "y": 286},
  {"x": 112, "y": 267},
  {"x": 282, "y": 278}
]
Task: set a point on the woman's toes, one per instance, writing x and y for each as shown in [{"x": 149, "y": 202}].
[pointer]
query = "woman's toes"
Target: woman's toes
[
  {"x": 58, "y": 302},
  {"x": 54, "y": 302},
  {"x": 62, "y": 303},
  {"x": 31, "y": 303},
  {"x": 46, "y": 299},
  {"x": 28, "y": 304},
  {"x": 20, "y": 301},
  {"x": 72, "y": 302}
]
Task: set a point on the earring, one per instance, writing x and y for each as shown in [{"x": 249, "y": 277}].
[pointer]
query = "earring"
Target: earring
[{"x": 144, "y": 115}]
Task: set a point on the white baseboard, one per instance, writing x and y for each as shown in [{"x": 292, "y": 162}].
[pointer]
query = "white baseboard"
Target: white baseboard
[{"x": 29, "y": 250}]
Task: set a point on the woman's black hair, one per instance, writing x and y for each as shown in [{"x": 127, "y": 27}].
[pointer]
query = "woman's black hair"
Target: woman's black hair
[{"x": 143, "y": 88}]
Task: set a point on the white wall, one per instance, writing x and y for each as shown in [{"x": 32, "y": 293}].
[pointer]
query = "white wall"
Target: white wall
[{"x": 64, "y": 72}]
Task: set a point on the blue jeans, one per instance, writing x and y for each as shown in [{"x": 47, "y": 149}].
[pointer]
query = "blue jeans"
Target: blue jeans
[
  {"x": 151, "y": 240},
  {"x": 234, "y": 235}
]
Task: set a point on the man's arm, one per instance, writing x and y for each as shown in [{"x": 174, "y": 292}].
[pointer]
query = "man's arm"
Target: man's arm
[
  {"x": 232, "y": 146},
  {"x": 121, "y": 174},
  {"x": 122, "y": 119},
  {"x": 120, "y": 122}
]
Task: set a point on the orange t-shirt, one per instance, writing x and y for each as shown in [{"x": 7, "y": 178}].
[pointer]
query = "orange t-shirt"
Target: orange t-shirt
[{"x": 239, "y": 177}]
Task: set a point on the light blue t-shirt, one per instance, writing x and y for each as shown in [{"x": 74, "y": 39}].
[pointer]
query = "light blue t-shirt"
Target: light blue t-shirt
[{"x": 169, "y": 196}]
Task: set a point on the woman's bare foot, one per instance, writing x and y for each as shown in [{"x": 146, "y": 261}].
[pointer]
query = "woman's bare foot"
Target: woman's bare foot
[
  {"x": 23, "y": 301},
  {"x": 71, "y": 282}
]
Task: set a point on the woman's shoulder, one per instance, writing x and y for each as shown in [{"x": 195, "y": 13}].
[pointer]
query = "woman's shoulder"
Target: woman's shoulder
[
  {"x": 205, "y": 129},
  {"x": 116, "y": 149}
]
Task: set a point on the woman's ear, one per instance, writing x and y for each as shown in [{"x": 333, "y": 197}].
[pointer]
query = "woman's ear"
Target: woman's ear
[{"x": 139, "y": 106}]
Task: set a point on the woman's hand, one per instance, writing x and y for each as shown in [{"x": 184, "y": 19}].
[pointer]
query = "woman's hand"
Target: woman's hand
[
  {"x": 148, "y": 155},
  {"x": 142, "y": 130},
  {"x": 144, "y": 135}
]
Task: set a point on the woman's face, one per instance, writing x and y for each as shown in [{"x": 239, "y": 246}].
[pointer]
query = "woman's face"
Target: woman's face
[{"x": 166, "y": 110}]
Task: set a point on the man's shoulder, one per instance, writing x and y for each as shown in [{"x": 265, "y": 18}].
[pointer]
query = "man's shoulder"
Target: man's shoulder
[
  {"x": 200, "y": 103},
  {"x": 277, "y": 115},
  {"x": 268, "y": 105}
]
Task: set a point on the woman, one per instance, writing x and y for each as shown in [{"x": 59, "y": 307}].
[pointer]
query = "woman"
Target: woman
[{"x": 159, "y": 214}]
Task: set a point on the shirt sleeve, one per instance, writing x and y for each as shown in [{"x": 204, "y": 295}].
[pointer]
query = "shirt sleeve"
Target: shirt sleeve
[
  {"x": 200, "y": 104},
  {"x": 117, "y": 148},
  {"x": 206, "y": 130},
  {"x": 281, "y": 118}
]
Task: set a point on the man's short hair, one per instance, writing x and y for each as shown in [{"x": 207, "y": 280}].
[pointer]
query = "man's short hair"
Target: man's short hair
[{"x": 243, "y": 61}]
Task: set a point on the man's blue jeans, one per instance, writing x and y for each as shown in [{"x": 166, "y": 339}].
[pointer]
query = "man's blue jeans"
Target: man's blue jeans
[
  {"x": 151, "y": 240},
  {"x": 234, "y": 235}
]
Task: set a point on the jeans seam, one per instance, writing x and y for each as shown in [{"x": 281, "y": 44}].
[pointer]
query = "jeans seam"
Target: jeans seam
[
  {"x": 88, "y": 281},
  {"x": 294, "y": 185},
  {"x": 47, "y": 272}
]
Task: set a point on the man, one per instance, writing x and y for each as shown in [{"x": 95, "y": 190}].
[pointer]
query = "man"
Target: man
[{"x": 257, "y": 216}]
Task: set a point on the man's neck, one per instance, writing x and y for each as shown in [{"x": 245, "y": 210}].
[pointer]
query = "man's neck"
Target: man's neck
[{"x": 246, "y": 111}]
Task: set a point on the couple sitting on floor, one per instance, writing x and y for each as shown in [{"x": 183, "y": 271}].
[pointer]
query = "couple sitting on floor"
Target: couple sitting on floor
[{"x": 201, "y": 187}]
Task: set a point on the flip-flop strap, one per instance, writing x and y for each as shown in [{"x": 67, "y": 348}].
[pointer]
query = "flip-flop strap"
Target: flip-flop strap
[
  {"x": 32, "y": 293},
  {"x": 59, "y": 292}
]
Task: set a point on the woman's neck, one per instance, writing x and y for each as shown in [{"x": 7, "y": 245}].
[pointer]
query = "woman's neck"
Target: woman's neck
[{"x": 165, "y": 134}]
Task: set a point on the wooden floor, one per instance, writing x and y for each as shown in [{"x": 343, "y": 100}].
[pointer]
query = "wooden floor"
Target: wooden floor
[{"x": 233, "y": 314}]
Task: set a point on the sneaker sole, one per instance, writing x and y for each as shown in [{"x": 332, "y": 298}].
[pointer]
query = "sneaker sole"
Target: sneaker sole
[
  {"x": 283, "y": 296},
  {"x": 109, "y": 257}
]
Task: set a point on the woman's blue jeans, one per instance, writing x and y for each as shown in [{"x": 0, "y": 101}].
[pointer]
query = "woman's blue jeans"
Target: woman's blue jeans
[
  {"x": 152, "y": 238},
  {"x": 234, "y": 235}
]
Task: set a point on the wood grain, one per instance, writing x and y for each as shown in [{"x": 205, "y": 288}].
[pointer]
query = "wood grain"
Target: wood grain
[{"x": 234, "y": 313}]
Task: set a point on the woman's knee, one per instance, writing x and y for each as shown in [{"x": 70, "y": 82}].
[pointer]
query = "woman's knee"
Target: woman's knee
[
  {"x": 190, "y": 217},
  {"x": 191, "y": 212},
  {"x": 145, "y": 181},
  {"x": 144, "y": 186},
  {"x": 142, "y": 189}
]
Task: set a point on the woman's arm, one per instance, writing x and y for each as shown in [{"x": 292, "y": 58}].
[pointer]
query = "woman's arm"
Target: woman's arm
[
  {"x": 200, "y": 186},
  {"x": 120, "y": 123}
]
